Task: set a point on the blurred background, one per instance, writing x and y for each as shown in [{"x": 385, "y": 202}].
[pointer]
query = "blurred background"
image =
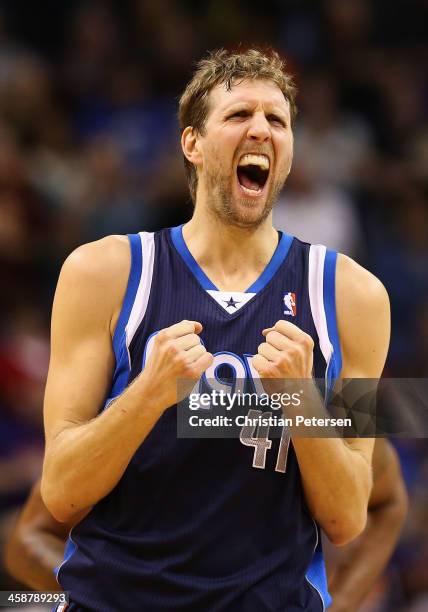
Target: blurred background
[{"x": 89, "y": 145}]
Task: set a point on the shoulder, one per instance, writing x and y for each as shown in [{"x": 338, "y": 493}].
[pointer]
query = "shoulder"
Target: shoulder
[
  {"x": 363, "y": 318},
  {"x": 95, "y": 275},
  {"x": 358, "y": 288},
  {"x": 98, "y": 260}
]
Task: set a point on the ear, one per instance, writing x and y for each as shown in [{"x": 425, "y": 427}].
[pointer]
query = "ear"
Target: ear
[{"x": 190, "y": 146}]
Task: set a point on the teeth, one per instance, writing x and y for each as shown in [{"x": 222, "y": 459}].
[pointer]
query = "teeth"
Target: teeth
[
  {"x": 251, "y": 192},
  {"x": 250, "y": 159}
]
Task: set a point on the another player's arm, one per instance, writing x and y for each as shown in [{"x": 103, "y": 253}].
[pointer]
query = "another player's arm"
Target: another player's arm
[
  {"x": 88, "y": 451},
  {"x": 336, "y": 473},
  {"x": 360, "y": 563},
  {"x": 36, "y": 545}
]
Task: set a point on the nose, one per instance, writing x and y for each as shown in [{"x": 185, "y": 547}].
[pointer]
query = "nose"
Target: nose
[{"x": 259, "y": 128}]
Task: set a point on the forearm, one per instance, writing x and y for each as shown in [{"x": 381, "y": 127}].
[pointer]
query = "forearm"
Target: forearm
[
  {"x": 336, "y": 475},
  {"x": 366, "y": 558},
  {"x": 32, "y": 558},
  {"x": 83, "y": 463},
  {"x": 336, "y": 481}
]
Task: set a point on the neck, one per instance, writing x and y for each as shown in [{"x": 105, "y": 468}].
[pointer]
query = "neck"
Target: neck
[{"x": 231, "y": 256}]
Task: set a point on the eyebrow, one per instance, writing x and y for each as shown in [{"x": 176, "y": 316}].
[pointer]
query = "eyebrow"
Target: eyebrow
[{"x": 247, "y": 106}]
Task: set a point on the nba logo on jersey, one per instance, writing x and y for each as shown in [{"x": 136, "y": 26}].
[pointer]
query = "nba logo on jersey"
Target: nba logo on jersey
[{"x": 290, "y": 304}]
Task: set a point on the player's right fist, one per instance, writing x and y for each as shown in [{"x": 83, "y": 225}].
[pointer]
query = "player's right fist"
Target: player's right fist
[{"x": 177, "y": 354}]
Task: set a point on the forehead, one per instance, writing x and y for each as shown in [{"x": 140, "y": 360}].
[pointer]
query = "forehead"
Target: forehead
[{"x": 252, "y": 92}]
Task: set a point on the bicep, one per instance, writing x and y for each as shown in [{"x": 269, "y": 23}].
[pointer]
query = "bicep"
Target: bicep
[
  {"x": 363, "y": 317},
  {"x": 82, "y": 357},
  {"x": 77, "y": 383}
]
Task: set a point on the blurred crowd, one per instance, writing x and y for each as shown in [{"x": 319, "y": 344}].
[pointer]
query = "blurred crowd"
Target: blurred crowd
[{"x": 89, "y": 146}]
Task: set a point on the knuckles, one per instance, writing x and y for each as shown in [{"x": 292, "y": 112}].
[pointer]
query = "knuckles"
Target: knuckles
[
  {"x": 171, "y": 350},
  {"x": 189, "y": 371},
  {"x": 261, "y": 347},
  {"x": 272, "y": 336},
  {"x": 180, "y": 359},
  {"x": 293, "y": 354},
  {"x": 307, "y": 341},
  {"x": 282, "y": 327},
  {"x": 161, "y": 337},
  {"x": 286, "y": 359},
  {"x": 258, "y": 363}
]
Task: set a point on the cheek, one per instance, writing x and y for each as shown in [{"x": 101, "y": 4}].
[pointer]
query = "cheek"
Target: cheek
[
  {"x": 216, "y": 158},
  {"x": 210, "y": 152},
  {"x": 286, "y": 155},
  {"x": 223, "y": 144}
]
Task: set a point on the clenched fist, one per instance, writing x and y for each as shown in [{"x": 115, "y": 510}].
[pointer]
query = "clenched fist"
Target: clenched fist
[
  {"x": 177, "y": 353},
  {"x": 286, "y": 353}
]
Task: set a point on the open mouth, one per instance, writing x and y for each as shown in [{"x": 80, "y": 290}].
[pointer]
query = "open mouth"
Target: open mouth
[{"x": 253, "y": 173}]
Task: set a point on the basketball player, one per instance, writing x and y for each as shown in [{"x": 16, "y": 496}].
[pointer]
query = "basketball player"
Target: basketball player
[
  {"x": 200, "y": 524},
  {"x": 36, "y": 545}
]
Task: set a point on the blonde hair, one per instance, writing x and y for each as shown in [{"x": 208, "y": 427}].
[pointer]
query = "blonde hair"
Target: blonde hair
[{"x": 222, "y": 66}]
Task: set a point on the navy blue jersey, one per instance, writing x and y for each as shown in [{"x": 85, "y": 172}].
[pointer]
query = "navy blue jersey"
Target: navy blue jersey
[{"x": 204, "y": 524}]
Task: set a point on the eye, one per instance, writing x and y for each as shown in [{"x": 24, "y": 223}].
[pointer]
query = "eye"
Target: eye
[
  {"x": 272, "y": 118},
  {"x": 242, "y": 114}
]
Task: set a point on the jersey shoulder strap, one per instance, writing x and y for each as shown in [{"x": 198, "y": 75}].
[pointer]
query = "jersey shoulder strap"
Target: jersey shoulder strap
[
  {"x": 322, "y": 298},
  {"x": 134, "y": 306}
]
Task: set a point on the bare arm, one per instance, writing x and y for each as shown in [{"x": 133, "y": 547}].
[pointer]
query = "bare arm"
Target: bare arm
[
  {"x": 339, "y": 498},
  {"x": 36, "y": 545},
  {"x": 359, "y": 564},
  {"x": 336, "y": 473},
  {"x": 87, "y": 451}
]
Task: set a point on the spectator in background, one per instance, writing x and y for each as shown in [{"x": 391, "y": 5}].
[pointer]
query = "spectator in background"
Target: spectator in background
[
  {"x": 24, "y": 356},
  {"x": 400, "y": 257},
  {"x": 318, "y": 212},
  {"x": 85, "y": 93},
  {"x": 335, "y": 142}
]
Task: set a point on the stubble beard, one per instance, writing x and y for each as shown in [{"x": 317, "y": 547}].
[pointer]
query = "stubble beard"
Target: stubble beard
[{"x": 243, "y": 214}]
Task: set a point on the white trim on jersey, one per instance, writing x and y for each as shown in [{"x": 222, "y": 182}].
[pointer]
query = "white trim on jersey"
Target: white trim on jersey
[
  {"x": 143, "y": 292},
  {"x": 316, "y": 298},
  {"x": 231, "y": 301}
]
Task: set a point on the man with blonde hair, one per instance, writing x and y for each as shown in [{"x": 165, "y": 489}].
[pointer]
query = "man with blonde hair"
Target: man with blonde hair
[{"x": 207, "y": 524}]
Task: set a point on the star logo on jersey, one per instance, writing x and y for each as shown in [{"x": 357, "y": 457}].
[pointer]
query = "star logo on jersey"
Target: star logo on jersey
[
  {"x": 290, "y": 304},
  {"x": 231, "y": 303}
]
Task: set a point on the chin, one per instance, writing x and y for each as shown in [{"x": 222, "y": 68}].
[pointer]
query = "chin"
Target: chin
[
  {"x": 248, "y": 214},
  {"x": 233, "y": 207}
]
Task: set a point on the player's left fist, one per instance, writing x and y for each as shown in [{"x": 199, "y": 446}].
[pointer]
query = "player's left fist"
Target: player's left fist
[{"x": 287, "y": 352}]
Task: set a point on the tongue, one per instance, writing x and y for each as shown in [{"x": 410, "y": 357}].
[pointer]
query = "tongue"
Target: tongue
[{"x": 247, "y": 182}]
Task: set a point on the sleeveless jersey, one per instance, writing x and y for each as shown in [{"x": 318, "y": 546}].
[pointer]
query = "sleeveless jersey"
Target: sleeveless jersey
[{"x": 203, "y": 525}]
